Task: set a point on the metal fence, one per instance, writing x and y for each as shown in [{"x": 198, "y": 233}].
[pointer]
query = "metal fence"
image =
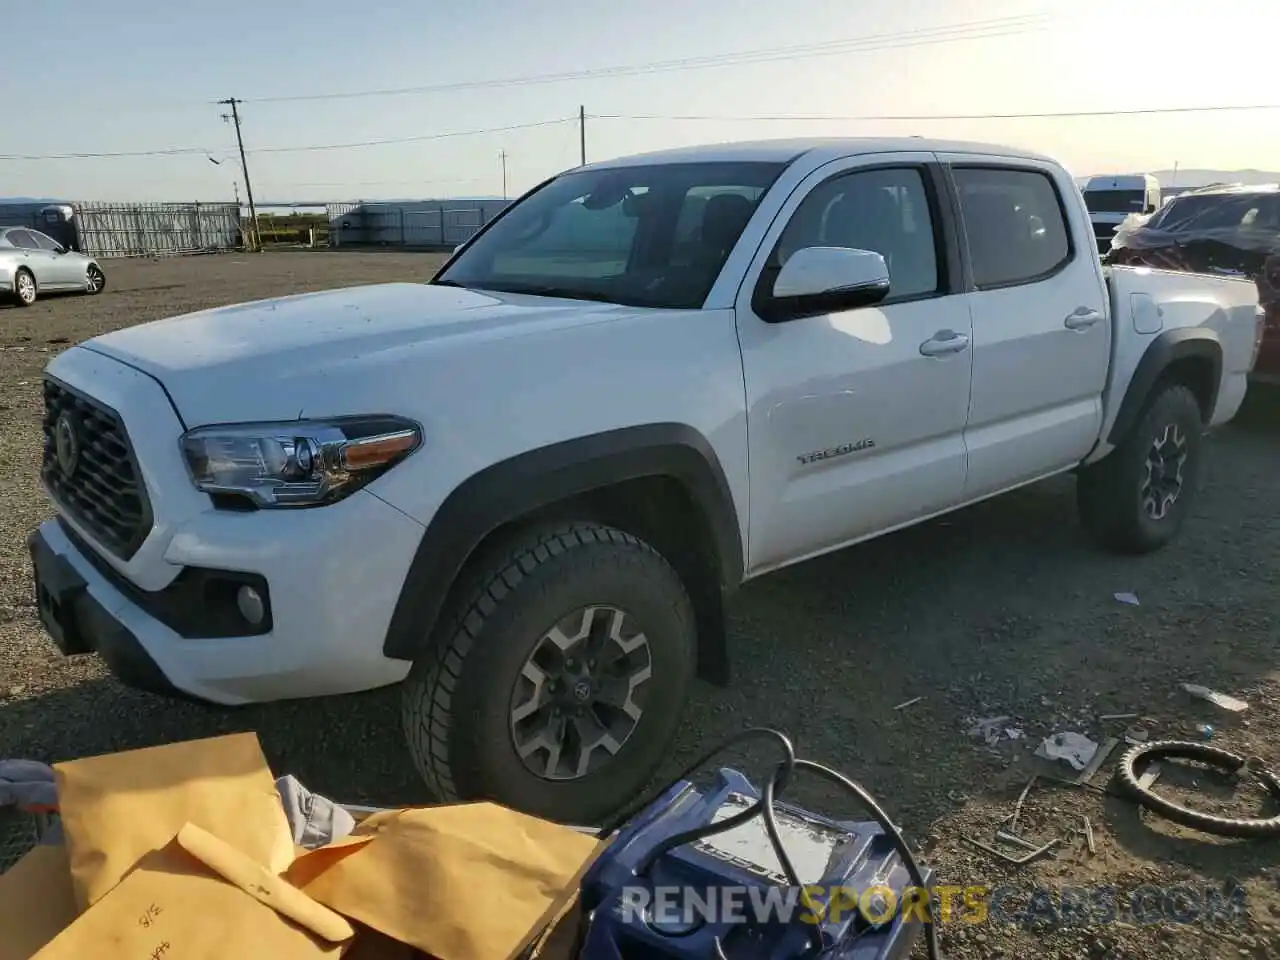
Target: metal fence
[
  {"x": 156, "y": 229},
  {"x": 441, "y": 224},
  {"x": 132, "y": 229}
]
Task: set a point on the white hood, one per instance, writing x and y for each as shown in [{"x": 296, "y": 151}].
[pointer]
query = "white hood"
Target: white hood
[{"x": 272, "y": 359}]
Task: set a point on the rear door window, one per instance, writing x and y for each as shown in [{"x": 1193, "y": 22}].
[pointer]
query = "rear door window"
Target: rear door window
[{"x": 1014, "y": 223}]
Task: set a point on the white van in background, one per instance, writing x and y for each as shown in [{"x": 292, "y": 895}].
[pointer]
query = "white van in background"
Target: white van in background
[{"x": 1111, "y": 199}]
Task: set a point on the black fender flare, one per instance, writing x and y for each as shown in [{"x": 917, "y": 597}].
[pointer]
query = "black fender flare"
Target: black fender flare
[
  {"x": 539, "y": 478},
  {"x": 1165, "y": 350}
]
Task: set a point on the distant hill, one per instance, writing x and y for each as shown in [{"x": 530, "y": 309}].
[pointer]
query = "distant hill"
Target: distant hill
[{"x": 1202, "y": 178}]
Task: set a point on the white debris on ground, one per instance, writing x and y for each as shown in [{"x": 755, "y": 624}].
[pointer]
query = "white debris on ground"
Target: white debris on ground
[
  {"x": 992, "y": 730},
  {"x": 1223, "y": 700},
  {"x": 1073, "y": 748}
]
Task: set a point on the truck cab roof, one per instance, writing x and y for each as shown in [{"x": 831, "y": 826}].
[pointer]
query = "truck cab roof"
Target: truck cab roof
[{"x": 816, "y": 148}]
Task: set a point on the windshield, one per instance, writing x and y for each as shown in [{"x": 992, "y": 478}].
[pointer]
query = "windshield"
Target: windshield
[
  {"x": 650, "y": 235},
  {"x": 1115, "y": 201}
]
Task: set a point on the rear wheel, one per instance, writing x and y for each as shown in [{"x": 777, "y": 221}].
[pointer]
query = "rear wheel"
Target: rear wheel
[
  {"x": 24, "y": 287},
  {"x": 1136, "y": 498},
  {"x": 558, "y": 686}
]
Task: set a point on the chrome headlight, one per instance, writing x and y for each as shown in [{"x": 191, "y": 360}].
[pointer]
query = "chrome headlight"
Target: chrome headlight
[{"x": 299, "y": 463}]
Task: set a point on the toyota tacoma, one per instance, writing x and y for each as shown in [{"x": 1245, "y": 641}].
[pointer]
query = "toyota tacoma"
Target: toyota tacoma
[{"x": 523, "y": 490}]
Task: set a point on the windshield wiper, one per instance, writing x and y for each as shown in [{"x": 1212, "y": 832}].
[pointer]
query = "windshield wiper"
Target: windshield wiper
[{"x": 446, "y": 283}]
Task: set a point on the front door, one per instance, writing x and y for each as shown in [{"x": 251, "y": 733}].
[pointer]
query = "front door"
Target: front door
[
  {"x": 855, "y": 419},
  {"x": 1041, "y": 323},
  {"x": 63, "y": 271}
]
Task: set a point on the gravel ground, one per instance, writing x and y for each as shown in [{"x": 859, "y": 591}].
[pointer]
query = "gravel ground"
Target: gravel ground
[{"x": 1001, "y": 610}]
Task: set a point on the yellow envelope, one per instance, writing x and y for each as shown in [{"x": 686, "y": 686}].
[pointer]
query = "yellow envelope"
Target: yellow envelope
[
  {"x": 117, "y": 808},
  {"x": 36, "y": 902},
  {"x": 199, "y": 899},
  {"x": 467, "y": 882}
]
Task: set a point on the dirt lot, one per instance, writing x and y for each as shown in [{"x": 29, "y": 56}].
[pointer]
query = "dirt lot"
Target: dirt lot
[{"x": 999, "y": 610}]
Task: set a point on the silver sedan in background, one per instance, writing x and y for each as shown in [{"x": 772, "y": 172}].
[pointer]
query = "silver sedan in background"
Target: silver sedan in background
[{"x": 32, "y": 264}]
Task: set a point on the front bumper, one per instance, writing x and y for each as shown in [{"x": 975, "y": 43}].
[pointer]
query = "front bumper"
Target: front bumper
[
  {"x": 332, "y": 591},
  {"x": 78, "y": 623},
  {"x": 332, "y": 575}
]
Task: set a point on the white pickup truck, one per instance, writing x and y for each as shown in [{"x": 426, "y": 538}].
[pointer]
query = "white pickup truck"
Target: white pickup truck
[{"x": 524, "y": 489}]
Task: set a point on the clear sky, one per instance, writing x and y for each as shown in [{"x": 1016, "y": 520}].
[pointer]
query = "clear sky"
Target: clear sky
[{"x": 132, "y": 75}]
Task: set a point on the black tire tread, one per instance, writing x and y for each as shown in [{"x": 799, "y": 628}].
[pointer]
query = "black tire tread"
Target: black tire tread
[
  {"x": 1237, "y": 827},
  {"x": 1105, "y": 514},
  {"x": 428, "y": 717}
]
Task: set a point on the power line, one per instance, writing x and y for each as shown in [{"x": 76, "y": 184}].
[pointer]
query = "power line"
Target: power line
[
  {"x": 420, "y": 139},
  {"x": 971, "y": 30},
  {"x": 172, "y": 152},
  {"x": 202, "y": 151},
  {"x": 801, "y": 118}
]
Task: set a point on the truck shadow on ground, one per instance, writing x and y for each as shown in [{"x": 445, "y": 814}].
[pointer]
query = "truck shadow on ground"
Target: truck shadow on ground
[{"x": 1002, "y": 609}]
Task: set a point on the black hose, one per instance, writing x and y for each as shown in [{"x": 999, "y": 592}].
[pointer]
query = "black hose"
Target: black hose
[
  {"x": 932, "y": 946},
  {"x": 1139, "y": 756}
]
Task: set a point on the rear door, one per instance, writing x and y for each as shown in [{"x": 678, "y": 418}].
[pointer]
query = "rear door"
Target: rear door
[
  {"x": 39, "y": 261},
  {"x": 1041, "y": 321}
]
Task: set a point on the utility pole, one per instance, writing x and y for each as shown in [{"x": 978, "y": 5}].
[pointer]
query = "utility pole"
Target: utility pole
[
  {"x": 232, "y": 102},
  {"x": 582, "y": 135},
  {"x": 502, "y": 156}
]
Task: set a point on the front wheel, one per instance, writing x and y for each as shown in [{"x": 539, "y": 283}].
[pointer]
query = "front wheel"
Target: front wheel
[
  {"x": 1136, "y": 498},
  {"x": 559, "y": 686},
  {"x": 95, "y": 280}
]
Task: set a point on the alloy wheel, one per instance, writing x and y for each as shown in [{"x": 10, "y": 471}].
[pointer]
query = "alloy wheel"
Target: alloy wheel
[
  {"x": 580, "y": 694},
  {"x": 1162, "y": 480}
]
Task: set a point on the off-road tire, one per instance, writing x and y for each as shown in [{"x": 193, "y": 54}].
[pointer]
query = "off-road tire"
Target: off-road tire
[
  {"x": 456, "y": 700},
  {"x": 1109, "y": 492},
  {"x": 19, "y": 298}
]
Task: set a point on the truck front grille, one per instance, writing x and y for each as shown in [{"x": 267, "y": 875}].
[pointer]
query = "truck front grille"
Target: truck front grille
[{"x": 90, "y": 471}]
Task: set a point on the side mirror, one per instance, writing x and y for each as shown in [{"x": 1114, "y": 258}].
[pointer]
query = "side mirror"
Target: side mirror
[{"x": 818, "y": 280}]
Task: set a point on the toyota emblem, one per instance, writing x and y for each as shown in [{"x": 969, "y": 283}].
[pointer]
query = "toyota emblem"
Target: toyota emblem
[{"x": 66, "y": 444}]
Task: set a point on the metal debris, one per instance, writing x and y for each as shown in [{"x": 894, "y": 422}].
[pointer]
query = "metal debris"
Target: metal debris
[
  {"x": 1017, "y": 807},
  {"x": 1035, "y": 854},
  {"x": 908, "y": 703},
  {"x": 1016, "y": 840},
  {"x": 1149, "y": 776}
]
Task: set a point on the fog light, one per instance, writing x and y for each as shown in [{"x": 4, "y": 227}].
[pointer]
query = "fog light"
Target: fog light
[{"x": 249, "y": 602}]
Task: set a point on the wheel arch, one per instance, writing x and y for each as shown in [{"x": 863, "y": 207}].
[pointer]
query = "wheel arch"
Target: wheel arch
[
  {"x": 1191, "y": 356},
  {"x": 661, "y": 482}
]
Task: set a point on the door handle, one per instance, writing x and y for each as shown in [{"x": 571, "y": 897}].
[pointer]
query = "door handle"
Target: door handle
[
  {"x": 944, "y": 342},
  {"x": 1081, "y": 319}
]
